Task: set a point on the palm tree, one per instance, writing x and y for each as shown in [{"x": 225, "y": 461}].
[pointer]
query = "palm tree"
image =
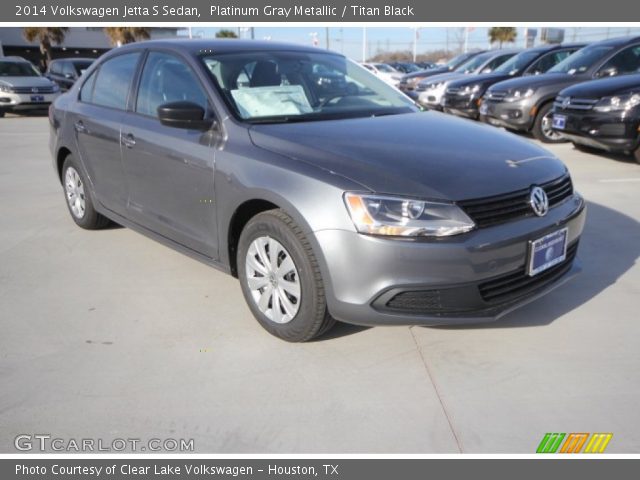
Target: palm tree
[
  {"x": 122, "y": 35},
  {"x": 226, "y": 34},
  {"x": 502, "y": 35},
  {"x": 47, "y": 37}
]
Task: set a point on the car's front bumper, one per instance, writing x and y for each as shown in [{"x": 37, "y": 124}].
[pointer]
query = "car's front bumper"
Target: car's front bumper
[
  {"x": 440, "y": 282},
  {"x": 512, "y": 115},
  {"x": 610, "y": 131},
  {"x": 431, "y": 98},
  {"x": 24, "y": 101},
  {"x": 462, "y": 106}
]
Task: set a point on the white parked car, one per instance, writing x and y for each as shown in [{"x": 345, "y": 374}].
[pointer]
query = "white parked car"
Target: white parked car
[
  {"x": 22, "y": 87},
  {"x": 385, "y": 72}
]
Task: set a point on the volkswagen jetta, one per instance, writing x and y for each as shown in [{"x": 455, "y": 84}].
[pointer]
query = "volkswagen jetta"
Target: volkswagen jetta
[{"x": 326, "y": 204}]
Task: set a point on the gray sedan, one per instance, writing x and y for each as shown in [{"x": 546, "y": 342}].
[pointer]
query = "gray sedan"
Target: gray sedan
[{"x": 329, "y": 202}]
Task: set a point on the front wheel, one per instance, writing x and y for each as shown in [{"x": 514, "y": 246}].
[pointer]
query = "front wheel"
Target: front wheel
[
  {"x": 636, "y": 154},
  {"x": 542, "y": 126},
  {"x": 280, "y": 278}
]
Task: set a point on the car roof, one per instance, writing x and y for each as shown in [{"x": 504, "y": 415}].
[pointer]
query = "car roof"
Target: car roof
[
  {"x": 199, "y": 46},
  {"x": 618, "y": 41}
]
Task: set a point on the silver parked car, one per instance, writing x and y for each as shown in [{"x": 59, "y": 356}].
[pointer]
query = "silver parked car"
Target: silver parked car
[
  {"x": 328, "y": 204},
  {"x": 23, "y": 88}
]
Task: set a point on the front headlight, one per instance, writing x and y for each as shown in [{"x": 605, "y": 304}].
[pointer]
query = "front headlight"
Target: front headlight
[
  {"x": 617, "y": 103},
  {"x": 516, "y": 95},
  {"x": 405, "y": 217},
  {"x": 470, "y": 90},
  {"x": 5, "y": 89}
]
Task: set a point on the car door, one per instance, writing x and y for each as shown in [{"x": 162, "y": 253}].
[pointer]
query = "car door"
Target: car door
[
  {"x": 170, "y": 170},
  {"x": 96, "y": 121}
]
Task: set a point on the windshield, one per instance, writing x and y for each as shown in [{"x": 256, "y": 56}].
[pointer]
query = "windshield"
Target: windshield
[
  {"x": 18, "y": 69},
  {"x": 410, "y": 67},
  {"x": 458, "y": 60},
  {"x": 384, "y": 68},
  {"x": 517, "y": 63},
  {"x": 582, "y": 60},
  {"x": 475, "y": 63},
  {"x": 288, "y": 86}
]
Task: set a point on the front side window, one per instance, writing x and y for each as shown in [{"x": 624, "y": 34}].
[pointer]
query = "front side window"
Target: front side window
[
  {"x": 114, "y": 80},
  {"x": 516, "y": 63},
  {"x": 279, "y": 86},
  {"x": 623, "y": 62},
  {"x": 166, "y": 79}
]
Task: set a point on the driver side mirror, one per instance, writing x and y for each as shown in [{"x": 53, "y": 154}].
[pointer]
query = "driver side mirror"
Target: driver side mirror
[
  {"x": 607, "y": 72},
  {"x": 183, "y": 114}
]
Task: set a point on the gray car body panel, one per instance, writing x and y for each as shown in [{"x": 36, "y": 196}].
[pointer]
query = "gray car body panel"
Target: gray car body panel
[{"x": 305, "y": 168}]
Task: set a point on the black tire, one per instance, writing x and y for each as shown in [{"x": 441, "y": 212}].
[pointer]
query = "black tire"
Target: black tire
[
  {"x": 90, "y": 219},
  {"x": 1, "y": 113},
  {"x": 312, "y": 318},
  {"x": 539, "y": 130},
  {"x": 636, "y": 155}
]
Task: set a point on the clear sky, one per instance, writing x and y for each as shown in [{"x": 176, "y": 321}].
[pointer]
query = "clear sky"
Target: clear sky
[{"x": 348, "y": 40}]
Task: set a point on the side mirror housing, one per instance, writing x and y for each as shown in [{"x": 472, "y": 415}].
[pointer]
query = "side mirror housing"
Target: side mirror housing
[{"x": 183, "y": 114}]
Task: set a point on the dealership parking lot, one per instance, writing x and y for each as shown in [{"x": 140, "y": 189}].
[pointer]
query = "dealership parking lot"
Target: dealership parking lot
[{"x": 107, "y": 334}]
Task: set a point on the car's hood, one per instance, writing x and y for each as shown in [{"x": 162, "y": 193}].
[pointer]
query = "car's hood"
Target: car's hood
[
  {"x": 426, "y": 155},
  {"x": 427, "y": 73},
  {"x": 483, "y": 79},
  {"x": 25, "y": 81},
  {"x": 444, "y": 77},
  {"x": 605, "y": 87},
  {"x": 536, "y": 81}
]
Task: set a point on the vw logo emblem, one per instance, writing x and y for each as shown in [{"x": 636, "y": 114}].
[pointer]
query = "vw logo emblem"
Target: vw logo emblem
[
  {"x": 34, "y": 90},
  {"x": 566, "y": 102},
  {"x": 539, "y": 201}
]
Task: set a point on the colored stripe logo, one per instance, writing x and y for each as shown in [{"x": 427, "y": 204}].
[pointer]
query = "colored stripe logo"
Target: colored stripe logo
[{"x": 574, "y": 442}]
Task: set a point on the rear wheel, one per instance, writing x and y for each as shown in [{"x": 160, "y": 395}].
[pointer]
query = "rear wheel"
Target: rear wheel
[
  {"x": 636, "y": 154},
  {"x": 280, "y": 278},
  {"x": 1, "y": 113},
  {"x": 78, "y": 196},
  {"x": 542, "y": 126}
]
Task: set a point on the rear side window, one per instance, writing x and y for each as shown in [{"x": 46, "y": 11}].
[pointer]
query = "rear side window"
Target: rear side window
[
  {"x": 548, "y": 61},
  {"x": 623, "y": 62},
  {"x": 113, "y": 80},
  {"x": 86, "y": 92},
  {"x": 68, "y": 69},
  {"x": 166, "y": 78},
  {"x": 496, "y": 62}
]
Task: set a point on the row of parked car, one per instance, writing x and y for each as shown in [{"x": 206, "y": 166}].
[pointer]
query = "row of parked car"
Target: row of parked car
[
  {"x": 24, "y": 88},
  {"x": 586, "y": 94}
]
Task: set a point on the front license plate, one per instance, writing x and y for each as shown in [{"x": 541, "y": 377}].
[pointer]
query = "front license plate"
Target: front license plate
[
  {"x": 559, "y": 122},
  {"x": 547, "y": 251},
  {"x": 484, "y": 109},
  {"x": 37, "y": 98}
]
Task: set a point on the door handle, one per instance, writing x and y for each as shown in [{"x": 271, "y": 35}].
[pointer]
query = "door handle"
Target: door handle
[
  {"x": 128, "y": 140},
  {"x": 79, "y": 127}
]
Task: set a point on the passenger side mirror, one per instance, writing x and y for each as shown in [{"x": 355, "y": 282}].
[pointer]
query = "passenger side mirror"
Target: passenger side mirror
[
  {"x": 183, "y": 114},
  {"x": 607, "y": 72}
]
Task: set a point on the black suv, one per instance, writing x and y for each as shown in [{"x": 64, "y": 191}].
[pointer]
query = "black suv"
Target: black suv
[
  {"x": 66, "y": 71},
  {"x": 464, "y": 97},
  {"x": 603, "y": 114},
  {"x": 526, "y": 103}
]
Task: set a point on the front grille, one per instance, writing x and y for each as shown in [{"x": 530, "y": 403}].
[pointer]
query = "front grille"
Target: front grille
[
  {"x": 33, "y": 90},
  {"x": 518, "y": 284},
  {"x": 496, "y": 96},
  {"x": 570, "y": 103},
  {"x": 416, "y": 301},
  {"x": 503, "y": 208}
]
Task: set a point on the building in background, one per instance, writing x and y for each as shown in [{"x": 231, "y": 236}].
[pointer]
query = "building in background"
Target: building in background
[{"x": 79, "y": 42}]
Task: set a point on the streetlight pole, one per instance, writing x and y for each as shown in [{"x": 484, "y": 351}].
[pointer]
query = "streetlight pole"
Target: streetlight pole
[
  {"x": 327, "y": 34},
  {"x": 364, "y": 44}
]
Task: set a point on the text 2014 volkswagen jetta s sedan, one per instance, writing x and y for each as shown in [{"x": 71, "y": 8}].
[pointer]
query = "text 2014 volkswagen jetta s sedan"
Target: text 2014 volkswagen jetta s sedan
[{"x": 347, "y": 205}]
